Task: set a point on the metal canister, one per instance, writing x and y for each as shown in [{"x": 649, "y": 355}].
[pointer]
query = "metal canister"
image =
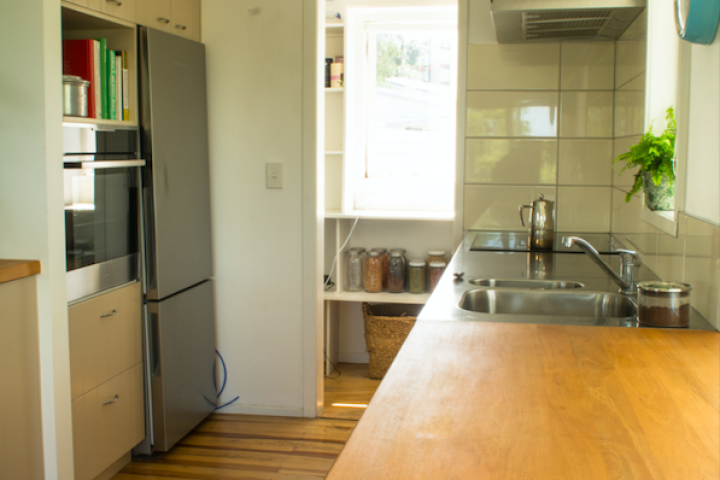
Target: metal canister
[
  {"x": 664, "y": 304},
  {"x": 75, "y": 96}
]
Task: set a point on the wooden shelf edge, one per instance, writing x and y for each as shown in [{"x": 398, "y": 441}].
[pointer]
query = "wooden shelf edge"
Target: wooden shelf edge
[
  {"x": 334, "y": 90},
  {"x": 15, "y": 269},
  {"x": 382, "y": 297}
]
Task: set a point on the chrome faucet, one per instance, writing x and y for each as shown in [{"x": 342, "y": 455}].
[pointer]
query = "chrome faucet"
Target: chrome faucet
[{"x": 630, "y": 263}]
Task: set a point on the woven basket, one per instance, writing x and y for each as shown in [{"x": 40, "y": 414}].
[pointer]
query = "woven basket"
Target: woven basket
[{"x": 387, "y": 325}]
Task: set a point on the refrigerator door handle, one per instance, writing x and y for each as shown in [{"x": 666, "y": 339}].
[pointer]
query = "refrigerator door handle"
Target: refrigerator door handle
[{"x": 155, "y": 345}]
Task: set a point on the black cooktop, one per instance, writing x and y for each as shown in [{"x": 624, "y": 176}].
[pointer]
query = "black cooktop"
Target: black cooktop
[{"x": 517, "y": 241}]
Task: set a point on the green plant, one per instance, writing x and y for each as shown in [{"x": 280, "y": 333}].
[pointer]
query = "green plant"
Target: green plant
[{"x": 652, "y": 154}]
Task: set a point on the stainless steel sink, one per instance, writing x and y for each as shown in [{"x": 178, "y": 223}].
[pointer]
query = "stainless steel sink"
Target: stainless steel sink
[
  {"x": 557, "y": 303},
  {"x": 531, "y": 284}
]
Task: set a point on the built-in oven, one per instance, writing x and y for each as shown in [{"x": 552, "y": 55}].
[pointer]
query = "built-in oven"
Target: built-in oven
[{"x": 102, "y": 178}]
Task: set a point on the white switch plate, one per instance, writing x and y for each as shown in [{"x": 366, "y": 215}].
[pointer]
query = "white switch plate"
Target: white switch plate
[{"x": 275, "y": 175}]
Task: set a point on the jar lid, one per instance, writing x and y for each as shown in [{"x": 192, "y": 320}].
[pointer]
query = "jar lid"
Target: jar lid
[
  {"x": 438, "y": 264},
  {"x": 354, "y": 252},
  {"x": 379, "y": 249},
  {"x": 401, "y": 250},
  {"x": 74, "y": 79},
  {"x": 373, "y": 254},
  {"x": 664, "y": 287},
  {"x": 417, "y": 263},
  {"x": 396, "y": 254},
  {"x": 357, "y": 249},
  {"x": 436, "y": 253}
]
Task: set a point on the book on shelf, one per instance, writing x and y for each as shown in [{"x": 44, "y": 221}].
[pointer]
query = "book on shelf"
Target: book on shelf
[
  {"x": 112, "y": 79},
  {"x": 125, "y": 88},
  {"x": 82, "y": 58},
  {"x": 104, "y": 79},
  {"x": 118, "y": 86}
]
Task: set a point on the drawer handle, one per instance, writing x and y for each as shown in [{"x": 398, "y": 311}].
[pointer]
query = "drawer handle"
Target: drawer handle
[
  {"x": 114, "y": 400},
  {"x": 163, "y": 19},
  {"x": 118, "y": 2},
  {"x": 181, "y": 27},
  {"x": 111, "y": 314}
]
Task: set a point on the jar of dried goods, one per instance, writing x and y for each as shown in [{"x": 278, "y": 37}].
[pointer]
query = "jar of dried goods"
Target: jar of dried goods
[
  {"x": 384, "y": 256},
  {"x": 354, "y": 271},
  {"x": 435, "y": 271},
  {"x": 396, "y": 273},
  {"x": 373, "y": 272},
  {"x": 416, "y": 276},
  {"x": 664, "y": 304}
]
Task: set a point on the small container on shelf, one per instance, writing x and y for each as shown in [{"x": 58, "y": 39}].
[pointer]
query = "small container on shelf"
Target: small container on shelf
[
  {"x": 435, "y": 271},
  {"x": 354, "y": 271},
  {"x": 436, "y": 256},
  {"x": 416, "y": 276},
  {"x": 396, "y": 273},
  {"x": 664, "y": 304},
  {"x": 383, "y": 254},
  {"x": 373, "y": 272}
]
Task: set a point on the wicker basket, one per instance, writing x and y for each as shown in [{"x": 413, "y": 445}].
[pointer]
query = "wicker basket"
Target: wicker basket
[{"x": 386, "y": 327}]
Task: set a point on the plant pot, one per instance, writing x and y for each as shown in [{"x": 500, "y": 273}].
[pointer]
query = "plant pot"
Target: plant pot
[{"x": 658, "y": 197}]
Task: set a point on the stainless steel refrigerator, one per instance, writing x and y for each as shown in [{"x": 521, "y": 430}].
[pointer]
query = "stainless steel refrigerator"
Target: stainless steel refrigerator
[{"x": 178, "y": 259}]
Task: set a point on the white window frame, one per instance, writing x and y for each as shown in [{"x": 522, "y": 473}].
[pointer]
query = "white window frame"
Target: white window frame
[{"x": 359, "y": 20}]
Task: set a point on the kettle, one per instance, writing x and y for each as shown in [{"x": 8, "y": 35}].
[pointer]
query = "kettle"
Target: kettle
[{"x": 542, "y": 229}]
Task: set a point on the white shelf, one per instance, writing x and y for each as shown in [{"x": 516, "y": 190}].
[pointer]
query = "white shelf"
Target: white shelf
[
  {"x": 421, "y": 216},
  {"x": 334, "y": 90},
  {"x": 334, "y": 152},
  {"x": 100, "y": 123},
  {"x": 381, "y": 297}
]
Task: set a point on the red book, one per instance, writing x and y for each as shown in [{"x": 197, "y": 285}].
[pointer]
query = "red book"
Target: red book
[{"x": 80, "y": 58}]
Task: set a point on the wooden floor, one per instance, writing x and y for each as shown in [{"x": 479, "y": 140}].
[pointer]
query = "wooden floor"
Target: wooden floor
[{"x": 265, "y": 448}]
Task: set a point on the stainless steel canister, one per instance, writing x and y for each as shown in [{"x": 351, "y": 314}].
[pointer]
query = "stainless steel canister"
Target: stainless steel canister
[
  {"x": 664, "y": 304},
  {"x": 75, "y": 96}
]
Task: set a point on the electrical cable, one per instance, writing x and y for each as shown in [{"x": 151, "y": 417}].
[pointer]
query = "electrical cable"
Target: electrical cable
[
  {"x": 332, "y": 267},
  {"x": 222, "y": 387}
]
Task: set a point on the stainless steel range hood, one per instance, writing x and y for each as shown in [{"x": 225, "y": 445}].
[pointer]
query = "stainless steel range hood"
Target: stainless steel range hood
[{"x": 556, "y": 20}]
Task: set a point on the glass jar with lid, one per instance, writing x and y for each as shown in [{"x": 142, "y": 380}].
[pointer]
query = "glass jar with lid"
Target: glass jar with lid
[
  {"x": 373, "y": 272},
  {"x": 436, "y": 256},
  {"x": 435, "y": 271},
  {"x": 416, "y": 276},
  {"x": 396, "y": 273},
  {"x": 664, "y": 304},
  {"x": 384, "y": 256},
  {"x": 354, "y": 261}
]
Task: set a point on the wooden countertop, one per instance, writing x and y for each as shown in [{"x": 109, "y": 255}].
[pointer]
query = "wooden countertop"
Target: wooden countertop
[
  {"x": 15, "y": 269},
  {"x": 467, "y": 400}
]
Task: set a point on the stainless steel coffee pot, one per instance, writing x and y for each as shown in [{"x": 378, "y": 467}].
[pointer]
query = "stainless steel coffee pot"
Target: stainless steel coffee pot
[{"x": 542, "y": 228}]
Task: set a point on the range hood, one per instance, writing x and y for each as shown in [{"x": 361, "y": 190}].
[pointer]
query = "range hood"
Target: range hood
[{"x": 556, "y": 20}]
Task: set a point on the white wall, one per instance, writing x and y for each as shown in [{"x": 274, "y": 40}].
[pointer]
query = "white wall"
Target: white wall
[
  {"x": 257, "y": 61},
  {"x": 31, "y": 199}
]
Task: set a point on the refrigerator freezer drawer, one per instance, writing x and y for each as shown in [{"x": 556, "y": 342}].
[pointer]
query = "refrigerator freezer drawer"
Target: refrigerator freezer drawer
[{"x": 182, "y": 361}]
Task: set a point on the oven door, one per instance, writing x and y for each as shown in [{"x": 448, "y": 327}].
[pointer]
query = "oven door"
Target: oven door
[{"x": 102, "y": 225}]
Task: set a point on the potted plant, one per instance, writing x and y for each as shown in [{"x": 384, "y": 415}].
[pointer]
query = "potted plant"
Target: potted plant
[{"x": 654, "y": 155}]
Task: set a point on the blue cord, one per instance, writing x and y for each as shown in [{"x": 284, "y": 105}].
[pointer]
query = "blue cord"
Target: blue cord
[{"x": 222, "y": 388}]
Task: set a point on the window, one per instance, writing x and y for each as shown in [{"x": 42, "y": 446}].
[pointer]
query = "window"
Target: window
[{"x": 401, "y": 84}]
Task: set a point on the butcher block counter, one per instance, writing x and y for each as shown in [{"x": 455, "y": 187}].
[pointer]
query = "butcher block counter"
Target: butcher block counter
[
  {"x": 15, "y": 269},
  {"x": 492, "y": 396},
  {"x": 472, "y": 400}
]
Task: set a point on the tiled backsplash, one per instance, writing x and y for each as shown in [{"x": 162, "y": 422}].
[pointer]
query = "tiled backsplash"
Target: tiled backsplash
[{"x": 540, "y": 120}]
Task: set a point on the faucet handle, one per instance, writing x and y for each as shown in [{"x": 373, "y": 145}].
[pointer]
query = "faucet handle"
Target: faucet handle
[{"x": 630, "y": 257}]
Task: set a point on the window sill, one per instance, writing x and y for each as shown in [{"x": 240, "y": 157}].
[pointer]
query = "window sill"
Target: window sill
[
  {"x": 666, "y": 221},
  {"x": 390, "y": 215}
]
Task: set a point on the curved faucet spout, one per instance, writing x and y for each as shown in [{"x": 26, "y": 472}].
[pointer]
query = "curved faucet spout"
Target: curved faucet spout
[{"x": 595, "y": 257}]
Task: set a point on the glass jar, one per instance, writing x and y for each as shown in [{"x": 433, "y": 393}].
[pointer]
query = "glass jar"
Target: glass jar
[
  {"x": 436, "y": 256},
  {"x": 416, "y": 276},
  {"x": 396, "y": 273},
  {"x": 664, "y": 304},
  {"x": 373, "y": 272},
  {"x": 353, "y": 271},
  {"x": 435, "y": 271},
  {"x": 384, "y": 256}
]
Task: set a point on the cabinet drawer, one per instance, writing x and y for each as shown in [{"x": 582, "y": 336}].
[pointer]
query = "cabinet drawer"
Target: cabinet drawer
[
  {"x": 108, "y": 422},
  {"x": 124, "y": 9},
  {"x": 105, "y": 337}
]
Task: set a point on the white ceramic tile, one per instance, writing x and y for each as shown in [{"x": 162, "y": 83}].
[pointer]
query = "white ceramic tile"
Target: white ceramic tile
[
  {"x": 588, "y": 66},
  {"x": 512, "y": 114},
  {"x": 585, "y": 162},
  {"x": 702, "y": 266},
  {"x": 626, "y": 179},
  {"x": 501, "y": 160},
  {"x": 513, "y": 66},
  {"x": 583, "y": 209},
  {"x": 636, "y": 84},
  {"x": 626, "y": 216},
  {"x": 586, "y": 114},
  {"x": 496, "y": 208},
  {"x": 629, "y": 112},
  {"x": 630, "y": 52}
]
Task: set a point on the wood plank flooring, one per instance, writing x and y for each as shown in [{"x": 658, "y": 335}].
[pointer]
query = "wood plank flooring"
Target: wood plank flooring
[{"x": 243, "y": 447}]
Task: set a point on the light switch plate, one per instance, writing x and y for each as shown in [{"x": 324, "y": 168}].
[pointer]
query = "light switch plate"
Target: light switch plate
[{"x": 275, "y": 175}]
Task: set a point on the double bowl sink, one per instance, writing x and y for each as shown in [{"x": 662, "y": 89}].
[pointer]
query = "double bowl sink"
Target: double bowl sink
[{"x": 545, "y": 298}]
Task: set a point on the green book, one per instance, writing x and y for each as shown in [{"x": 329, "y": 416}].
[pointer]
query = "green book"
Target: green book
[
  {"x": 104, "y": 78},
  {"x": 112, "y": 85}
]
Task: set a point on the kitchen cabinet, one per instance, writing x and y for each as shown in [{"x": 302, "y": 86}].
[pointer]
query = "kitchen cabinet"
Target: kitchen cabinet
[
  {"x": 106, "y": 378},
  {"x": 124, "y": 9},
  {"x": 154, "y": 14},
  {"x": 179, "y": 17}
]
